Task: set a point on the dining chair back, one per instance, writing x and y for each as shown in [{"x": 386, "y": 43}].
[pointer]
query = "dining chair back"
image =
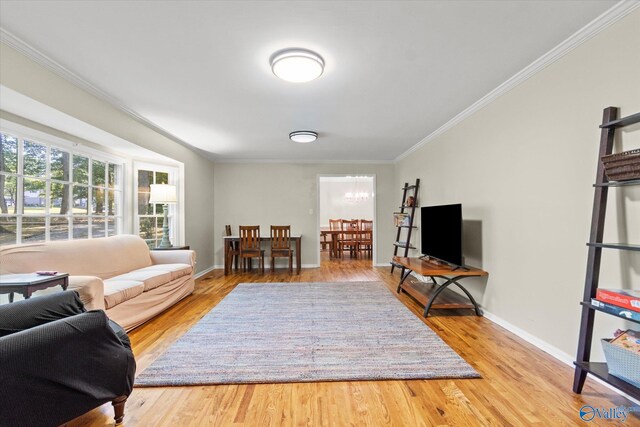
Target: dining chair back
[
  {"x": 334, "y": 244},
  {"x": 365, "y": 237},
  {"x": 366, "y": 225},
  {"x": 233, "y": 249},
  {"x": 281, "y": 245},
  {"x": 349, "y": 237},
  {"x": 335, "y": 224},
  {"x": 250, "y": 245}
]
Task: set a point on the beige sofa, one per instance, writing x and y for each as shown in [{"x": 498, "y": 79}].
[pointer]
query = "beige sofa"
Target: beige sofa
[{"x": 117, "y": 274}]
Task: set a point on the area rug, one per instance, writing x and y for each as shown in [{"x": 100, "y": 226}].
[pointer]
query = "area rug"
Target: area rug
[{"x": 301, "y": 332}]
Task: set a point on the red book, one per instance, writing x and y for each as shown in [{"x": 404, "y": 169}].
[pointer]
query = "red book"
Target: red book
[{"x": 626, "y": 298}]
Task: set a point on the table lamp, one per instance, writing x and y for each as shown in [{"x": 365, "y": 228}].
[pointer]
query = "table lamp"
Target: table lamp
[{"x": 164, "y": 194}]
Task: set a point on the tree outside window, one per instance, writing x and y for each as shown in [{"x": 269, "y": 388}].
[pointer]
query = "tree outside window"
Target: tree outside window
[{"x": 52, "y": 193}]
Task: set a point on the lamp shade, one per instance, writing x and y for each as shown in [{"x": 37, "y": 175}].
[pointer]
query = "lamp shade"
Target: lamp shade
[{"x": 163, "y": 193}]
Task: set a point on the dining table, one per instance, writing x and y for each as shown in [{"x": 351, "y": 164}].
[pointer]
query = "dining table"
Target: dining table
[
  {"x": 296, "y": 239},
  {"x": 334, "y": 249}
]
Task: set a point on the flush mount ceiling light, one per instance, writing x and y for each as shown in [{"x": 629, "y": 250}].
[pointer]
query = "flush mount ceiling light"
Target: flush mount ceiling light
[
  {"x": 303, "y": 136},
  {"x": 297, "y": 65}
]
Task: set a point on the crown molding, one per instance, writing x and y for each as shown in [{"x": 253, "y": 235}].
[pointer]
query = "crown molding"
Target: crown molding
[
  {"x": 306, "y": 162},
  {"x": 40, "y": 58},
  {"x": 614, "y": 14}
]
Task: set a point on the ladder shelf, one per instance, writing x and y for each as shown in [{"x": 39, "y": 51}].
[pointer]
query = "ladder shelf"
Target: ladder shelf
[
  {"x": 408, "y": 191},
  {"x": 583, "y": 364}
]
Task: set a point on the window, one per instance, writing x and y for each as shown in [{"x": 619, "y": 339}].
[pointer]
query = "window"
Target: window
[
  {"x": 51, "y": 191},
  {"x": 149, "y": 217}
]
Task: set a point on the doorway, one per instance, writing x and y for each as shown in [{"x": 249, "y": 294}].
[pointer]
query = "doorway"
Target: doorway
[{"x": 345, "y": 197}]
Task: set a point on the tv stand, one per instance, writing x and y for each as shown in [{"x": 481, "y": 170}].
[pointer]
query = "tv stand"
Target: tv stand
[
  {"x": 426, "y": 296},
  {"x": 437, "y": 261}
]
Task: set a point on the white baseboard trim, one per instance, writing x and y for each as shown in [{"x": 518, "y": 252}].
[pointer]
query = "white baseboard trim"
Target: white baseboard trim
[
  {"x": 204, "y": 272},
  {"x": 547, "y": 348}
]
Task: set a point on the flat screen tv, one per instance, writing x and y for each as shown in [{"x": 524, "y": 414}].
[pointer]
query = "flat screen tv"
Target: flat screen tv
[{"x": 441, "y": 233}]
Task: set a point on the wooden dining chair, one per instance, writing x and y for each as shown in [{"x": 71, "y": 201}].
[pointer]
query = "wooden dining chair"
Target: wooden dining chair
[
  {"x": 250, "y": 245},
  {"x": 233, "y": 250},
  {"x": 349, "y": 240},
  {"x": 365, "y": 237},
  {"x": 335, "y": 225},
  {"x": 281, "y": 245}
]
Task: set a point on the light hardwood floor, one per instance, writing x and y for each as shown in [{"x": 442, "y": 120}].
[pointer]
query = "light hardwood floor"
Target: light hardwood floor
[{"x": 520, "y": 385}]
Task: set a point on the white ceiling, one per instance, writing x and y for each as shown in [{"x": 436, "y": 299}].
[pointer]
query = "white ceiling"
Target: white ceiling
[{"x": 395, "y": 71}]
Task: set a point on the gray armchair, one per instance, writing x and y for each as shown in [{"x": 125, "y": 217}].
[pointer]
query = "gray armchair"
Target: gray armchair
[{"x": 58, "y": 361}]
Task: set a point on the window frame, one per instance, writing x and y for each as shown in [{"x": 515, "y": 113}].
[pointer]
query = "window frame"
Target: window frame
[
  {"x": 176, "y": 211},
  {"x": 24, "y": 133}
]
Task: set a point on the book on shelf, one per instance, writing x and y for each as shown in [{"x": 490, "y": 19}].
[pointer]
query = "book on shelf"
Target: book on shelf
[
  {"x": 615, "y": 310},
  {"x": 401, "y": 219},
  {"x": 629, "y": 340},
  {"x": 626, "y": 298}
]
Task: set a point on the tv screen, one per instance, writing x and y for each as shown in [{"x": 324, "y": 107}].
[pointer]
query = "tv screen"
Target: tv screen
[{"x": 441, "y": 232}]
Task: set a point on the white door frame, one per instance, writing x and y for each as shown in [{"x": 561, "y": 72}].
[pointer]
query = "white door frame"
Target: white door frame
[{"x": 375, "y": 211}]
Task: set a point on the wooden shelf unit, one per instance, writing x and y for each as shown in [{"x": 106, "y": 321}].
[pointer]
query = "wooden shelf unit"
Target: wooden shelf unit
[
  {"x": 610, "y": 123},
  {"x": 411, "y": 211},
  {"x": 593, "y": 307}
]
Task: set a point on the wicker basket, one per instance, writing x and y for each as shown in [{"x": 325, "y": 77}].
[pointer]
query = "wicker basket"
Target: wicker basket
[
  {"x": 622, "y": 363},
  {"x": 622, "y": 166}
]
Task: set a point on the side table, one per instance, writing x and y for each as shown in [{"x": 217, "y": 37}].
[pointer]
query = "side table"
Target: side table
[
  {"x": 26, "y": 284},
  {"x": 172, "y": 248}
]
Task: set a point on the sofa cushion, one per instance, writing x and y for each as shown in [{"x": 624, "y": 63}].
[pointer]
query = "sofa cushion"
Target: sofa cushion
[
  {"x": 177, "y": 270},
  {"x": 117, "y": 291},
  {"x": 150, "y": 277}
]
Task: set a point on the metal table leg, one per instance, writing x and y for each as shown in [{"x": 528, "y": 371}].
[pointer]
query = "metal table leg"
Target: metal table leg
[
  {"x": 444, "y": 286},
  {"x": 403, "y": 276}
]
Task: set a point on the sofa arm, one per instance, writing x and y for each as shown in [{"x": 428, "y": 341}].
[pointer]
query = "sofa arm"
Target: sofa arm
[
  {"x": 171, "y": 257},
  {"x": 90, "y": 289},
  {"x": 57, "y": 371}
]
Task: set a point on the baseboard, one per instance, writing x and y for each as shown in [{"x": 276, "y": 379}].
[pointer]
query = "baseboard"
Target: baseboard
[
  {"x": 204, "y": 272},
  {"x": 548, "y": 348}
]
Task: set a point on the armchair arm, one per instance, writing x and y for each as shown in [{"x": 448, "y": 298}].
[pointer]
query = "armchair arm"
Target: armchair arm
[
  {"x": 170, "y": 257},
  {"x": 57, "y": 371},
  {"x": 26, "y": 314}
]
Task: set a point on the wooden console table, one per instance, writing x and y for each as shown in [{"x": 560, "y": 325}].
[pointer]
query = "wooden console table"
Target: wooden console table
[{"x": 426, "y": 295}]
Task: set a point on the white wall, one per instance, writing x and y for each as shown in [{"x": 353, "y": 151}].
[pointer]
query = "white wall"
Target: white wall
[
  {"x": 523, "y": 168},
  {"x": 334, "y": 204},
  {"x": 33, "y": 80},
  {"x": 283, "y": 194}
]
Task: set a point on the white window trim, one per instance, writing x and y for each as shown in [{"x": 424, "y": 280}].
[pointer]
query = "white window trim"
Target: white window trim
[
  {"x": 38, "y": 136},
  {"x": 176, "y": 174},
  {"x": 27, "y": 133}
]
